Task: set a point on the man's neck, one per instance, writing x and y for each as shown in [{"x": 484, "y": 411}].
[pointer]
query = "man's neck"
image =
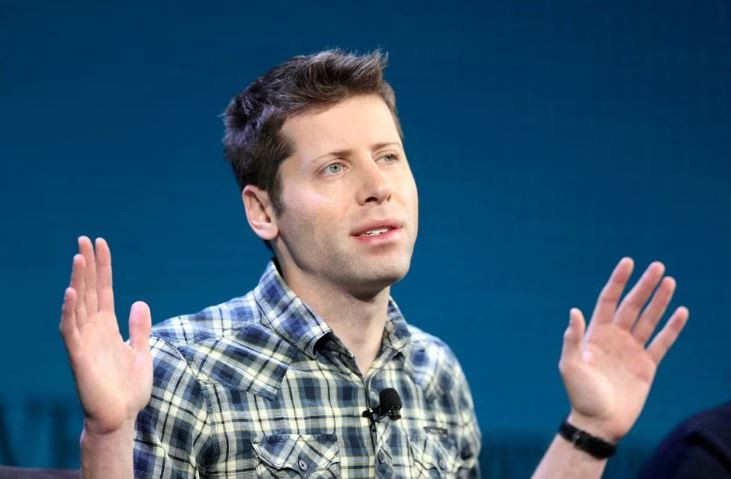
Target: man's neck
[{"x": 357, "y": 320}]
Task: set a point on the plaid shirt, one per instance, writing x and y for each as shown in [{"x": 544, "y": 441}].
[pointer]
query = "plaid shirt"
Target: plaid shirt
[{"x": 260, "y": 387}]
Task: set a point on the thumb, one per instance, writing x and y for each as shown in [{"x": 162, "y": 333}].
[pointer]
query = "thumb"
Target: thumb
[
  {"x": 140, "y": 323},
  {"x": 573, "y": 335}
]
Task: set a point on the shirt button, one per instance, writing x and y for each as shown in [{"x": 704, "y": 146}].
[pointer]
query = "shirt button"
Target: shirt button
[
  {"x": 442, "y": 464},
  {"x": 381, "y": 456},
  {"x": 302, "y": 464}
]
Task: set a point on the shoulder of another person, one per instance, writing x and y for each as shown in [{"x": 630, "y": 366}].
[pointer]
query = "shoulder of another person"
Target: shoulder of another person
[
  {"x": 697, "y": 447},
  {"x": 714, "y": 425}
]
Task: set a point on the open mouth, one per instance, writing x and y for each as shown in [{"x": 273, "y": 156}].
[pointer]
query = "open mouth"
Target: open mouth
[{"x": 376, "y": 231}]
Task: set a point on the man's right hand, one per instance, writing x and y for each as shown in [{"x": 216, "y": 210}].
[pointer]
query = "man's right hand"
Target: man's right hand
[{"x": 113, "y": 378}]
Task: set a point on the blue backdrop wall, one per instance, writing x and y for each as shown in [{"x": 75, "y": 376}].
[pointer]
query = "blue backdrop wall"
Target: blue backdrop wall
[{"x": 548, "y": 139}]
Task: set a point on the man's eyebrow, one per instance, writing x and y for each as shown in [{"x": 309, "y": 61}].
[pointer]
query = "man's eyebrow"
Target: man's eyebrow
[{"x": 376, "y": 146}]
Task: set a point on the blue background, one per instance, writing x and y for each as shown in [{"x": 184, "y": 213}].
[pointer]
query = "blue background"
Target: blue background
[{"x": 548, "y": 139}]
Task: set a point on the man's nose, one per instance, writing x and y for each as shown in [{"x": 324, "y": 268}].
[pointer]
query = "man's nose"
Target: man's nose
[{"x": 375, "y": 186}]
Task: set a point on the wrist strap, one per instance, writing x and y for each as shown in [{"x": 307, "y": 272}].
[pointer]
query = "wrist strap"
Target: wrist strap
[{"x": 592, "y": 445}]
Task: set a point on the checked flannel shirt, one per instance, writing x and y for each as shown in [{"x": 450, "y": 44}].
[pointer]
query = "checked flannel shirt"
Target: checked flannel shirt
[{"x": 260, "y": 387}]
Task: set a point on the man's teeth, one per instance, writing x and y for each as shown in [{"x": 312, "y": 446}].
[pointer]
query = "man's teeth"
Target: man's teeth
[{"x": 375, "y": 232}]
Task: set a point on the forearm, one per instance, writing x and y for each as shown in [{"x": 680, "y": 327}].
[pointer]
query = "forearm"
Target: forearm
[
  {"x": 563, "y": 461},
  {"x": 108, "y": 456}
]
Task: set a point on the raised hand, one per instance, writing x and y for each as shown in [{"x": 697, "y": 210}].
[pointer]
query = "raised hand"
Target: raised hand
[
  {"x": 608, "y": 368},
  {"x": 113, "y": 379}
]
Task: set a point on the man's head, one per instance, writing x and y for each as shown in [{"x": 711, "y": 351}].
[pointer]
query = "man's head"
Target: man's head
[
  {"x": 318, "y": 150},
  {"x": 253, "y": 142}
]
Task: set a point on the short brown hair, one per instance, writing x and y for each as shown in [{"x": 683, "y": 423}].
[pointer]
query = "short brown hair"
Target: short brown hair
[{"x": 253, "y": 142}]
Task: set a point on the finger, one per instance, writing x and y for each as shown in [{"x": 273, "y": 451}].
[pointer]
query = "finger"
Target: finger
[
  {"x": 140, "y": 323},
  {"x": 607, "y": 302},
  {"x": 68, "y": 328},
  {"x": 104, "y": 276},
  {"x": 632, "y": 304},
  {"x": 77, "y": 283},
  {"x": 87, "y": 250},
  {"x": 644, "y": 327},
  {"x": 668, "y": 334},
  {"x": 573, "y": 335}
]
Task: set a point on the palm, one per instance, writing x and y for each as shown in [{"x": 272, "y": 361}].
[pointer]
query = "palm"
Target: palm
[
  {"x": 607, "y": 370},
  {"x": 113, "y": 379}
]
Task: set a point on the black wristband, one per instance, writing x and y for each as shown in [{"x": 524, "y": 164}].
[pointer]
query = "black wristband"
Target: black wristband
[{"x": 592, "y": 445}]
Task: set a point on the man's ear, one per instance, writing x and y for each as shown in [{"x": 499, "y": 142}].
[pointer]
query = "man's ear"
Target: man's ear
[{"x": 260, "y": 212}]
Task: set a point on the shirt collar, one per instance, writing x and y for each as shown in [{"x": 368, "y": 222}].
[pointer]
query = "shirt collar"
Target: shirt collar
[
  {"x": 397, "y": 334},
  {"x": 284, "y": 312}
]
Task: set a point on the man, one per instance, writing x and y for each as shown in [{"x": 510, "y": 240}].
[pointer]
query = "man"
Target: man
[{"x": 276, "y": 383}]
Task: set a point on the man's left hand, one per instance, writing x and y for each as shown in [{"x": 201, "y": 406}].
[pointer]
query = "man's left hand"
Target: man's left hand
[{"x": 608, "y": 368}]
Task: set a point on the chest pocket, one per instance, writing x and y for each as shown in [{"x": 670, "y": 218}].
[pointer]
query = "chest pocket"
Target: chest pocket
[
  {"x": 313, "y": 456},
  {"x": 433, "y": 456}
]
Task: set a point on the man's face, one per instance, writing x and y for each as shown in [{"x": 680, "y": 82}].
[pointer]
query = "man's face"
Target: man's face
[{"x": 350, "y": 203}]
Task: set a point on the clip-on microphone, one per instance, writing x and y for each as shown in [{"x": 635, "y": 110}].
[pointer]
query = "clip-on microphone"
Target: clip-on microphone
[{"x": 390, "y": 405}]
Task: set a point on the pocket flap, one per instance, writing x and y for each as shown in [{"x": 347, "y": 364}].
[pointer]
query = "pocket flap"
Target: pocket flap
[
  {"x": 433, "y": 452},
  {"x": 300, "y": 452}
]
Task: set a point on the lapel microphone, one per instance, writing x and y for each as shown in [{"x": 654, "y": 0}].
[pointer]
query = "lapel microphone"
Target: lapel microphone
[{"x": 389, "y": 405}]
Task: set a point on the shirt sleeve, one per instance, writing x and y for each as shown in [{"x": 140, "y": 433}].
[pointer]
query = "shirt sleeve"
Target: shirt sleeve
[
  {"x": 172, "y": 431},
  {"x": 470, "y": 436}
]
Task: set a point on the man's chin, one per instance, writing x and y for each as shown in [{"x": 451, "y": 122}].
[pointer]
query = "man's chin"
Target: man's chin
[{"x": 372, "y": 281}]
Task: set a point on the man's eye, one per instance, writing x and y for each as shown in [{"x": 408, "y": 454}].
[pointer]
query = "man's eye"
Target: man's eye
[
  {"x": 333, "y": 169},
  {"x": 390, "y": 158}
]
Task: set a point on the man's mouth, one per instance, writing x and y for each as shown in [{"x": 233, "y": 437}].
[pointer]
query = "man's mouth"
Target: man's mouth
[{"x": 376, "y": 231}]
